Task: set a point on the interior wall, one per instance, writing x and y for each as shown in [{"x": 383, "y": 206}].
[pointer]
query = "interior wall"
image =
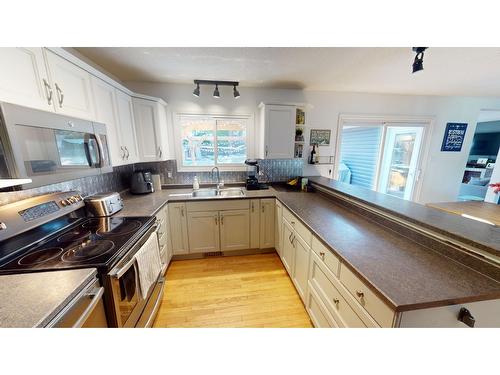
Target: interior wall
[{"x": 441, "y": 175}]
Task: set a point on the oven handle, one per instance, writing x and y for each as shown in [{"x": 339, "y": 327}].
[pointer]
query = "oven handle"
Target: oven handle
[
  {"x": 121, "y": 271},
  {"x": 96, "y": 295}
]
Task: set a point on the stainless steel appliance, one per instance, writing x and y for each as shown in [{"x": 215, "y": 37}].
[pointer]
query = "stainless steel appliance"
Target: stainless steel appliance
[
  {"x": 141, "y": 183},
  {"x": 104, "y": 204},
  {"x": 85, "y": 310},
  {"x": 49, "y": 148},
  {"x": 44, "y": 234}
]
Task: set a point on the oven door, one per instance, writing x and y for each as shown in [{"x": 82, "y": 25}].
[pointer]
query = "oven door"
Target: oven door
[{"x": 50, "y": 148}]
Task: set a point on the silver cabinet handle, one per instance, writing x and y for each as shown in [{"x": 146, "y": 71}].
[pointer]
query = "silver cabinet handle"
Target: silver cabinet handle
[
  {"x": 263, "y": 208},
  {"x": 216, "y": 220},
  {"x": 160, "y": 153},
  {"x": 60, "y": 95},
  {"x": 48, "y": 91},
  {"x": 182, "y": 211},
  {"x": 222, "y": 220},
  {"x": 123, "y": 152},
  {"x": 267, "y": 151},
  {"x": 128, "y": 153},
  {"x": 253, "y": 208},
  {"x": 336, "y": 301},
  {"x": 360, "y": 294}
]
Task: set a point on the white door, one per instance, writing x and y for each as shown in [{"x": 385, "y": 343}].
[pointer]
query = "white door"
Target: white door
[
  {"x": 106, "y": 112},
  {"x": 203, "y": 231},
  {"x": 278, "y": 227},
  {"x": 398, "y": 169},
  {"x": 254, "y": 223},
  {"x": 23, "y": 78},
  {"x": 147, "y": 129},
  {"x": 267, "y": 223},
  {"x": 72, "y": 88},
  {"x": 234, "y": 230},
  {"x": 300, "y": 266},
  {"x": 178, "y": 228},
  {"x": 126, "y": 126},
  {"x": 279, "y": 131},
  {"x": 287, "y": 250}
]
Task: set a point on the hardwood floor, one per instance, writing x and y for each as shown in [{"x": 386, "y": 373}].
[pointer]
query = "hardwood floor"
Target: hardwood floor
[{"x": 237, "y": 291}]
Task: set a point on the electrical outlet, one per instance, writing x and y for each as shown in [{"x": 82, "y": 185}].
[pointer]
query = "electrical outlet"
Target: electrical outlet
[{"x": 169, "y": 174}]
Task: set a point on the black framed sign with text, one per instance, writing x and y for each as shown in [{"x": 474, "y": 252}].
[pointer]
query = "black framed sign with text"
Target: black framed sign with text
[{"x": 454, "y": 136}]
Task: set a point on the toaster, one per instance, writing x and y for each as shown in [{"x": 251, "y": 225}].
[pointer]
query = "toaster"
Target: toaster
[{"x": 104, "y": 204}]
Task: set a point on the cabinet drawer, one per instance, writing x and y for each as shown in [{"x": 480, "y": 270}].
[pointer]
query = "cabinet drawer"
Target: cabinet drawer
[
  {"x": 382, "y": 313},
  {"x": 318, "y": 312},
  {"x": 300, "y": 228},
  {"x": 327, "y": 256},
  {"x": 218, "y": 205},
  {"x": 323, "y": 283}
]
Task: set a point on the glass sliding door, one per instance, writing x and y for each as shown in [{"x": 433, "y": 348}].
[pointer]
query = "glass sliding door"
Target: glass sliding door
[{"x": 381, "y": 156}]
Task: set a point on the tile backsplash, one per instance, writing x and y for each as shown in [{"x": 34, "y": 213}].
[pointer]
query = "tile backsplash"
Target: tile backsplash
[
  {"x": 118, "y": 180},
  {"x": 275, "y": 170}
]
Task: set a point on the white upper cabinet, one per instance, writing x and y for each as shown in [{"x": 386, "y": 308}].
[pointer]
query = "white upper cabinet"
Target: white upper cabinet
[
  {"x": 126, "y": 127},
  {"x": 277, "y": 131},
  {"x": 106, "y": 112},
  {"x": 71, "y": 87},
  {"x": 151, "y": 128},
  {"x": 23, "y": 78}
]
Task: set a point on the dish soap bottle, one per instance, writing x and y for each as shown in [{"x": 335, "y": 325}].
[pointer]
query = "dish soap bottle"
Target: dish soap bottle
[{"x": 196, "y": 183}]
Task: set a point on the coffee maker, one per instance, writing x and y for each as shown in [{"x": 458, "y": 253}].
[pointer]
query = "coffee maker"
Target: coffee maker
[{"x": 252, "y": 173}]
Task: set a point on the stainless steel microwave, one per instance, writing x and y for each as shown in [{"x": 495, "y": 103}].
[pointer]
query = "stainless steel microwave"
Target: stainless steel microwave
[{"x": 49, "y": 148}]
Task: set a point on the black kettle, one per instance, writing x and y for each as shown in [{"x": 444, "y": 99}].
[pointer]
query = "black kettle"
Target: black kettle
[{"x": 141, "y": 183}]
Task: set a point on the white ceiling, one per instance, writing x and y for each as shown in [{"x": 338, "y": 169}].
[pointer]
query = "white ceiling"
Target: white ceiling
[{"x": 447, "y": 71}]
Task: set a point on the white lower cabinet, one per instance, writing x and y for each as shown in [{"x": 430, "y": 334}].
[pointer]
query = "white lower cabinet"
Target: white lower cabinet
[
  {"x": 287, "y": 250},
  {"x": 300, "y": 268},
  {"x": 234, "y": 230},
  {"x": 178, "y": 228},
  {"x": 254, "y": 223},
  {"x": 317, "y": 311},
  {"x": 278, "y": 227},
  {"x": 203, "y": 231},
  {"x": 267, "y": 223}
]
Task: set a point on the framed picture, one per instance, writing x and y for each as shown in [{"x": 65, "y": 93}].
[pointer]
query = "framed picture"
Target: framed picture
[
  {"x": 320, "y": 137},
  {"x": 454, "y": 136}
]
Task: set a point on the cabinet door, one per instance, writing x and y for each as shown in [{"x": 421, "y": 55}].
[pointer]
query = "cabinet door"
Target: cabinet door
[
  {"x": 203, "y": 231},
  {"x": 234, "y": 230},
  {"x": 267, "y": 223},
  {"x": 23, "y": 78},
  {"x": 106, "y": 112},
  {"x": 178, "y": 228},
  {"x": 287, "y": 250},
  {"x": 72, "y": 88},
  {"x": 255, "y": 223},
  {"x": 126, "y": 126},
  {"x": 300, "y": 269},
  {"x": 279, "y": 131},
  {"x": 278, "y": 228},
  {"x": 147, "y": 129}
]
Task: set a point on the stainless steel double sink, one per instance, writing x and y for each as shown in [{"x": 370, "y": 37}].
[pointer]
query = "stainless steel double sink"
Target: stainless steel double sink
[{"x": 227, "y": 192}]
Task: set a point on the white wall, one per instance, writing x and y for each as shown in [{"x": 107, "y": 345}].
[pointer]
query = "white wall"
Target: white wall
[{"x": 443, "y": 174}]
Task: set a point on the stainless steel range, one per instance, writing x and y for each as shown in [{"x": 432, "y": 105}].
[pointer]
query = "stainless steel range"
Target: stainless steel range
[{"x": 51, "y": 232}]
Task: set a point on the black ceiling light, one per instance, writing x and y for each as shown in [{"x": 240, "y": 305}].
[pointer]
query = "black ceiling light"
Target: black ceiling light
[
  {"x": 216, "y": 91},
  {"x": 196, "y": 91},
  {"x": 236, "y": 93},
  {"x": 418, "y": 64},
  {"x": 216, "y": 94}
]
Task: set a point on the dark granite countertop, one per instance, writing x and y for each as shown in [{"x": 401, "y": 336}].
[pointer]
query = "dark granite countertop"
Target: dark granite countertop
[
  {"x": 405, "y": 274},
  {"x": 468, "y": 231},
  {"x": 34, "y": 299}
]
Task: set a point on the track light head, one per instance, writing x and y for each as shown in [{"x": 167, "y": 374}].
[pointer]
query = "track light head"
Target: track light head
[
  {"x": 236, "y": 93},
  {"x": 418, "y": 63},
  {"x": 196, "y": 91},
  {"x": 216, "y": 91}
]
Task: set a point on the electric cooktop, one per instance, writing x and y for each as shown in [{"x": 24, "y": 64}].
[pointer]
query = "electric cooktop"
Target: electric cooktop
[{"x": 86, "y": 242}]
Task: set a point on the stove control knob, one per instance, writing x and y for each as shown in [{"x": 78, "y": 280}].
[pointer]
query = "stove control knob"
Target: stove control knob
[
  {"x": 64, "y": 202},
  {"x": 3, "y": 226}
]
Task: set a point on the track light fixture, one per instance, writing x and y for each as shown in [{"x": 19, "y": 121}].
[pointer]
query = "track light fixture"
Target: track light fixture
[
  {"x": 196, "y": 91},
  {"x": 418, "y": 64},
  {"x": 216, "y": 93},
  {"x": 236, "y": 93}
]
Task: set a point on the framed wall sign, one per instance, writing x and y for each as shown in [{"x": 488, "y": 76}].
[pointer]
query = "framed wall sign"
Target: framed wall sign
[
  {"x": 321, "y": 137},
  {"x": 454, "y": 136}
]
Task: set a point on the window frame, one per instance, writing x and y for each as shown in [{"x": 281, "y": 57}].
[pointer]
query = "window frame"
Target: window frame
[{"x": 236, "y": 167}]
